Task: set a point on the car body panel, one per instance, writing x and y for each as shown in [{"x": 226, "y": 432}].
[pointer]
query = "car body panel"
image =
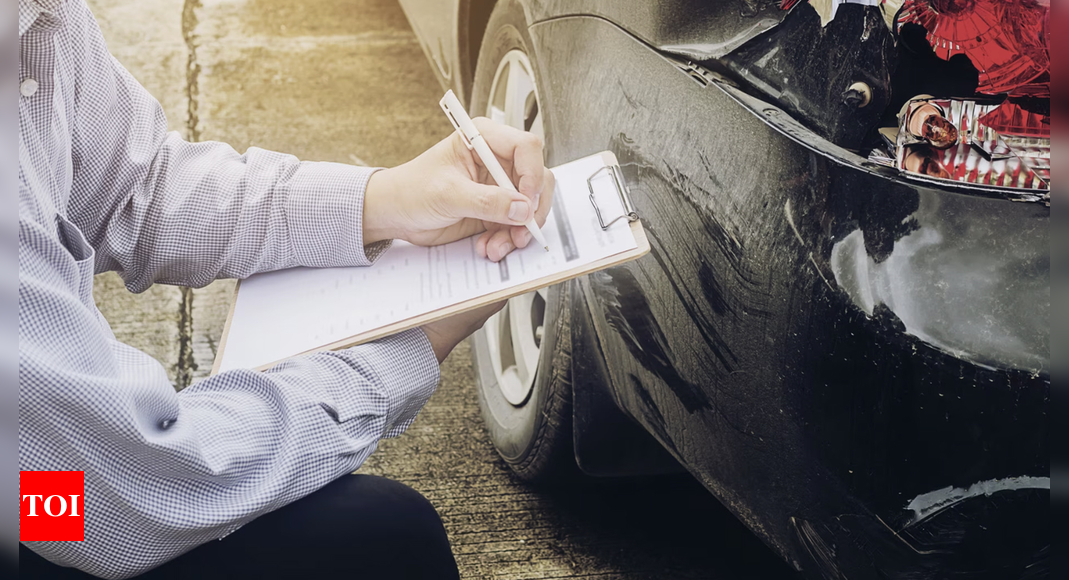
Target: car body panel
[
  {"x": 856, "y": 365},
  {"x": 808, "y": 69},
  {"x": 697, "y": 29},
  {"x": 606, "y": 441},
  {"x": 747, "y": 345},
  {"x": 437, "y": 25},
  {"x": 450, "y": 30}
]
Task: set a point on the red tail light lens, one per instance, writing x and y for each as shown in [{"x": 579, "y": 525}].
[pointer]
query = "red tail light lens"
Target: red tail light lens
[
  {"x": 979, "y": 153},
  {"x": 1008, "y": 41},
  {"x": 1010, "y": 119}
]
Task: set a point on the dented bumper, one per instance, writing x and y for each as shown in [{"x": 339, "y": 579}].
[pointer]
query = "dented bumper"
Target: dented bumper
[{"x": 818, "y": 342}]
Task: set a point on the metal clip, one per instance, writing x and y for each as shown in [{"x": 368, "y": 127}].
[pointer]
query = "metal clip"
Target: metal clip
[{"x": 621, "y": 190}]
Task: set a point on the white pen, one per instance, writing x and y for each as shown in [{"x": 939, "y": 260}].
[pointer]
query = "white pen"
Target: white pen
[{"x": 474, "y": 140}]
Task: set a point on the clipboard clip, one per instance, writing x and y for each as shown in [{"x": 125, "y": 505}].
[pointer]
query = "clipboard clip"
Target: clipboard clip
[{"x": 621, "y": 190}]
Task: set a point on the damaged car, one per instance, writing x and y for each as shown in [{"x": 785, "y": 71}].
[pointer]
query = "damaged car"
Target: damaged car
[{"x": 842, "y": 330}]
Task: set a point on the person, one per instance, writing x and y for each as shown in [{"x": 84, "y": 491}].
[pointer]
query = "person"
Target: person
[{"x": 244, "y": 474}]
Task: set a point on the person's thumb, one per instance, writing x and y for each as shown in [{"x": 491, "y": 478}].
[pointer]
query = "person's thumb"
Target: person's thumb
[{"x": 493, "y": 203}]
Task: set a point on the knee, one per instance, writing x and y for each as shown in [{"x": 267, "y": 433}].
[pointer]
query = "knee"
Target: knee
[
  {"x": 403, "y": 511},
  {"x": 408, "y": 533}
]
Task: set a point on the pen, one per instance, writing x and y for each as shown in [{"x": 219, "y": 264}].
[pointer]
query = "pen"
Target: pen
[{"x": 474, "y": 140}]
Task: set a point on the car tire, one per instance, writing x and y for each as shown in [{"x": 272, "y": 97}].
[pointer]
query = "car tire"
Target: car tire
[{"x": 534, "y": 437}]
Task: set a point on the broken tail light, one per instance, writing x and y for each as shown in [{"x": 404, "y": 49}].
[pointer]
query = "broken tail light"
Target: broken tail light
[
  {"x": 1008, "y": 41},
  {"x": 977, "y": 141},
  {"x": 1001, "y": 137},
  {"x": 974, "y": 77}
]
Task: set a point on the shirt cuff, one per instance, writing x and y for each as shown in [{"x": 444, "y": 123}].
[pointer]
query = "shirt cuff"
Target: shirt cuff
[
  {"x": 325, "y": 215},
  {"x": 406, "y": 373}
]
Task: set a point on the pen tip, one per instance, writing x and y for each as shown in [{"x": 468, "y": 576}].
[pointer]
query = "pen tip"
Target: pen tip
[{"x": 546, "y": 247}]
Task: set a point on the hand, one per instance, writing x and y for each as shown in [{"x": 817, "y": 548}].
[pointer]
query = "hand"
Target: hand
[
  {"x": 446, "y": 194},
  {"x": 446, "y": 334}
]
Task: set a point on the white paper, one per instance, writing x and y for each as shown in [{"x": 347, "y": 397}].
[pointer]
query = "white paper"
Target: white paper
[{"x": 285, "y": 313}]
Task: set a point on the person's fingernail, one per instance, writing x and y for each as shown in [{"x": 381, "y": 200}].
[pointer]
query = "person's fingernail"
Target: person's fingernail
[
  {"x": 505, "y": 248},
  {"x": 518, "y": 211},
  {"x": 526, "y": 237}
]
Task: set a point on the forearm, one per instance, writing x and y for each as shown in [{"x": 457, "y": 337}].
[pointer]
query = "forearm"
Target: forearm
[
  {"x": 166, "y": 471},
  {"x": 204, "y": 212},
  {"x": 160, "y": 209},
  {"x": 184, "y": 469}
]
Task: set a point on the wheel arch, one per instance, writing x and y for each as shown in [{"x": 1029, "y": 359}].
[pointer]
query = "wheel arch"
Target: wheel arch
[
  {"x": 598, "y": 423},
  {"x": 607, "y": 442},
  {"x": 473, "y": 18}
]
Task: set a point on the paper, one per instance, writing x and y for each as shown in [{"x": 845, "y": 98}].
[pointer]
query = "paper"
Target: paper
[{"x": 285, "y": 313}]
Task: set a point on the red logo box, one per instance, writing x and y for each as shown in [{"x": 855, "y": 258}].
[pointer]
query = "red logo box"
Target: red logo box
[{"x": 51, "y": 506}]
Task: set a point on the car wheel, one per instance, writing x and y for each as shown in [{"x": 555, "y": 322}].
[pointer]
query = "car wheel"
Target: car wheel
[{"x": 522, "y": 354}]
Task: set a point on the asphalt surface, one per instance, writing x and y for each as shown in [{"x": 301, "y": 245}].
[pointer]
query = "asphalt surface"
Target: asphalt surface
[{"x": 346, "y": 81}]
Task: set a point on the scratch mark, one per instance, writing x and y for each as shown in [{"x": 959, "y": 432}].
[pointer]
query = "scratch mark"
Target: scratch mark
[
  {"x": 653, "y": 415},
  {"x": 635, "y": 104},
  {"x": 627, "y": 311},
  {"x": 819, "y": 551},
  {"x": 928, "y": 504},
  {"x": 720, "y": 348}
]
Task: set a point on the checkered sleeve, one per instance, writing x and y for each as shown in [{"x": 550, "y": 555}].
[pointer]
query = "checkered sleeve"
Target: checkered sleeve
[
  {"x": 166, "y": 471},
  {"x": 104, "y": 186},
  {"x": 160, "y": 209}
]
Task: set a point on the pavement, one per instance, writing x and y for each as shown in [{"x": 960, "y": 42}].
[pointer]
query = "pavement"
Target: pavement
[{"x": 346, "y": 81}]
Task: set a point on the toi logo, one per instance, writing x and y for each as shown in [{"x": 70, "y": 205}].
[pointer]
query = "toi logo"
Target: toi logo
[{"x": 51, "y": 506}]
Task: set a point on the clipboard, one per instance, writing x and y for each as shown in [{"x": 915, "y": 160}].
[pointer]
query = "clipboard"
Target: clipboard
[{"x": 610, "y": 167}]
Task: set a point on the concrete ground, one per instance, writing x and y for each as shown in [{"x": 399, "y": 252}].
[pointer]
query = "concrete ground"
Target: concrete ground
[{"x": 346, "y": 81}]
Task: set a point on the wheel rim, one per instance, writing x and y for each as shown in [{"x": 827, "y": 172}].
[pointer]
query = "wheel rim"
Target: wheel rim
[{"x": 514, "y": 335}]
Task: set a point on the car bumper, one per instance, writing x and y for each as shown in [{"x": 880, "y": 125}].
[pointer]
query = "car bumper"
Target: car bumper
[{"x": 818, "y": 342}]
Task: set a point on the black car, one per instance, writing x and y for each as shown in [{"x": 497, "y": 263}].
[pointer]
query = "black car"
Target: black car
[{"x": 842, "y": 329}]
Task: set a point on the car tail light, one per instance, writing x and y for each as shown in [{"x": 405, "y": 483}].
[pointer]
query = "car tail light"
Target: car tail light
[
  {"x": 975, "y": 141},
  {"x": 1008, "y": 41},
  {"x": 1002, "y": 141},
  {"x": 1026, "y": 133},
  {"x": 974, "y": 77}
]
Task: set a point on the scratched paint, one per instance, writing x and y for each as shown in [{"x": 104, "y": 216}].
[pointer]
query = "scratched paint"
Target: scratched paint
[
  {"x": 821, "y": 407},
  {"x": 928, "y": 504},
  {"x": 619, "y": 294},
  {"x": 654, "y": 418}
]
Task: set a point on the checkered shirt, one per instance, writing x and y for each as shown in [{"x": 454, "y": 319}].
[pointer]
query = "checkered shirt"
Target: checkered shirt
[{"x": 104, "y": 186}]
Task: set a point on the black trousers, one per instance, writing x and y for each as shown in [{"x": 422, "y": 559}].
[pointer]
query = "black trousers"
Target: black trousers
[{"x": 359, "y": 526}]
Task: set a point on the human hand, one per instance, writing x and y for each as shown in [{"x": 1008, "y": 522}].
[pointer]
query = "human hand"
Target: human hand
[
  {"x": 446, "y": 194},
  {"x": 446, "y": 334}
]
